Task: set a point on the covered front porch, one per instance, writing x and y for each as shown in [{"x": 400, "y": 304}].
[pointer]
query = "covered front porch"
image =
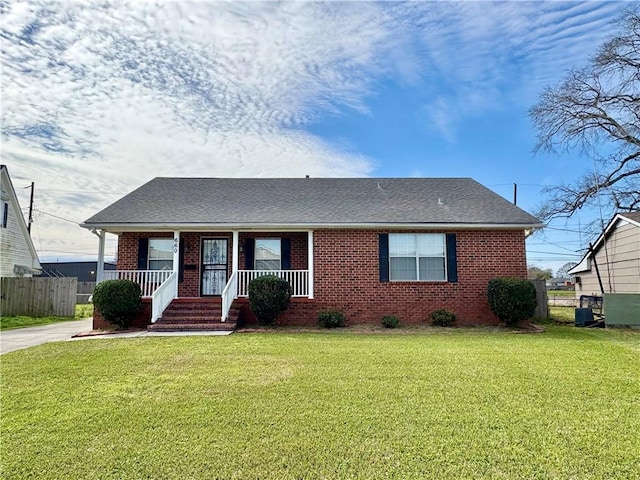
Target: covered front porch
[{"x": 215, "y": 264}]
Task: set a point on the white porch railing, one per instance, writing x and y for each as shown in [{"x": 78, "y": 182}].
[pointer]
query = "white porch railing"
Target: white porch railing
[
  {"x": 162, "y": 296},
  {"x": 298, "y": 279},
  {"x": 229, "y": 294},
  {"x": 149, "y": 280}
]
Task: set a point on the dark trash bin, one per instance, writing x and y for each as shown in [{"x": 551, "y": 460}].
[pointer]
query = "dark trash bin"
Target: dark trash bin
[{"x": 583, "y": 317}]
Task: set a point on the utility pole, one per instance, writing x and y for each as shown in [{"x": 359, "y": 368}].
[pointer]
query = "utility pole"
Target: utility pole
[
  {"x": 30, "y": 209},
  {"x": 515, "y": 193}
]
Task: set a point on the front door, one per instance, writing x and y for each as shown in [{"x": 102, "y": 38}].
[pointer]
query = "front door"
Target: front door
[{"x": 214, "y": 266}]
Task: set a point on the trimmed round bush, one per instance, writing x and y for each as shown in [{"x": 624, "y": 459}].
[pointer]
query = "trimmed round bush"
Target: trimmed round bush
[
  {"x": 118, "y": 301},
  {"x": 442, "y": 318},
  {"x": 269, "y": 296},
  {"x": 331, "y": 319},
  {"x": 390, "y": 321},
  {"x": 512, "y": 299}
]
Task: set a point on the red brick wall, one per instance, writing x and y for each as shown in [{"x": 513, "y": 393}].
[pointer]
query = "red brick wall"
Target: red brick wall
[
  {"x": 190, "y": 286},
  {"x": 347, "y": 278},
  {"x": 299, "y": 250}
]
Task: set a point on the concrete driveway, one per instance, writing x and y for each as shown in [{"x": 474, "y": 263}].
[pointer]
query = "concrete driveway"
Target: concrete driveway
[{"x": 19, "y": 338}]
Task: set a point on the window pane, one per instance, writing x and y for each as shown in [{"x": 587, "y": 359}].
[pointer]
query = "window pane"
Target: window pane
[
  {"x": 432, "y": 268},
  {"x": 214, "y": 251},
  {"x": 160, "y": 254},
  {"x": 267, "y": 254},
  {"x": 403, "y": 268},
  {"x": 160, "y": 264},
  {"x": 402, "y": 245},
  {"x": 431, "y": 245},
  {"x": 267, "y": 265}
]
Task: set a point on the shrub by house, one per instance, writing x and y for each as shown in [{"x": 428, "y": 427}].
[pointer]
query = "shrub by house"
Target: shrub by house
[
  {"x": 269, "y": 296},
  {"x": 512, "y": 299},
  {"x": 118, "y": 301}
]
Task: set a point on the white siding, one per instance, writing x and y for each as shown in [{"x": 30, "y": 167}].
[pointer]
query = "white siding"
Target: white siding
[
  {"x": 15, "y": 245},
  {"x": 619, "y": 263}
]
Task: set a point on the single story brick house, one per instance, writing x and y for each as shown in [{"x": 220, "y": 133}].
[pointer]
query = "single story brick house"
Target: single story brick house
[{"x": 366, "y": 246}]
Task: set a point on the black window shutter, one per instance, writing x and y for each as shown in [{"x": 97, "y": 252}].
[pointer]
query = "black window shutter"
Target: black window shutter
[
  {"x": 383, "y": 250},
  {"x": 285, "y": 253},
  {"x": 143, "y": 253},
  {"x": 181, "y": 262},
  {"x": 452, "y": 258},
  {"x": 249, "y": 245}
]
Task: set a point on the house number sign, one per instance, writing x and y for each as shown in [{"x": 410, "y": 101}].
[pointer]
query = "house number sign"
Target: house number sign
[{"x": 176, "y": 244}]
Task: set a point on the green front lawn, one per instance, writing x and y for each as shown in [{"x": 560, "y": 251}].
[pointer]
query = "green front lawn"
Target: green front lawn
[
  {"x": 7, "y": 323},
  {"x": 464, "y": 403}
]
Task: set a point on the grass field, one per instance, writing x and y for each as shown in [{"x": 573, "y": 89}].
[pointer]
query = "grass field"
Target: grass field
[
  {"x": 7, "y": 323},
  {"x": 564, "y": 315},
  {"x": 465, "y": 403},
  {"x": 561, "y": 293}
]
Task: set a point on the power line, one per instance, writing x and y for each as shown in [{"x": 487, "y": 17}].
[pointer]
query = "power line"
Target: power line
[
  {"x": 563, "y": 229},
  {"x": 558, "y": 245},
  {"x": 56, "y": 216},
  {"x": 82, "y": 191},
  {"x": 67, "y": 251},
  {"x": 554, "y": 253}
]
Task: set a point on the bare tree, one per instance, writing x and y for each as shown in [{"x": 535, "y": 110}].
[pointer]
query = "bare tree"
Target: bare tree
[
  {"x": 563, "y": 271},
  {"x": 537, "y": 273},
  {"x": 597, "y": 109}
]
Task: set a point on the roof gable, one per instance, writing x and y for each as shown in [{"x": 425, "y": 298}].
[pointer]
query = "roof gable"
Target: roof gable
[
  {"x": 312, "y": 201},
  {"x": 627, "y": 217}
]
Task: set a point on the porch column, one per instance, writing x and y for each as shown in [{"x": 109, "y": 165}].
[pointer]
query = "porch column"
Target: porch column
[
  {"x": 310, "y": 260},
  {"x": 236, "y": 253},
  {"x": 100, "y": 267},
  {"x": 176, "y": 258}
]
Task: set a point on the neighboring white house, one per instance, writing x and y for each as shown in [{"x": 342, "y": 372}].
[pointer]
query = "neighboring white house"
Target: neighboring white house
[
  {"x": 18, "y": 257},
  {"x": 615, "y": 256}
]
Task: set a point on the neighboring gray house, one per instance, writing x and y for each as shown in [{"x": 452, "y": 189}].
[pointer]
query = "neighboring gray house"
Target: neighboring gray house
[
  {"x": 18, "y": 257},
  {"x": 615, "y": 256}
]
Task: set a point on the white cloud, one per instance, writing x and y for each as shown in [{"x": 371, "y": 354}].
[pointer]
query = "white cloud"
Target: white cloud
[
  {"x": 484, "y": 56},
  {"x": 104, "y": 96},
  {"x": 99, "y": 97}
]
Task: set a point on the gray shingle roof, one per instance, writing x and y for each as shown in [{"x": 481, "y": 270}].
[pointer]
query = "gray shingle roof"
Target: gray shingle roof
[
  {"x": 311, "y": 201},
  {"x": 635, "y": 216}
]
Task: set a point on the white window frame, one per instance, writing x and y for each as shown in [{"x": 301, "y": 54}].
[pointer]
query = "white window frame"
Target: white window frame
[
  {"x": 149, "y": 259},
  {"x": 255, "y": 254},
  {"x": 418, "y": 256}
]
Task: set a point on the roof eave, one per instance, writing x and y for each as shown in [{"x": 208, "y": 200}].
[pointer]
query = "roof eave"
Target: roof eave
[{"x": 141, "y": 227}]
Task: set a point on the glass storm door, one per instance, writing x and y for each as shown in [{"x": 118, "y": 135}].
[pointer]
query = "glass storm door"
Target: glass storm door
[{"x": 214, "y": 266}]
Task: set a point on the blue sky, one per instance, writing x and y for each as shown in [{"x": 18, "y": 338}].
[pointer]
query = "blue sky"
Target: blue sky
[{"x": 100, "y": 97}]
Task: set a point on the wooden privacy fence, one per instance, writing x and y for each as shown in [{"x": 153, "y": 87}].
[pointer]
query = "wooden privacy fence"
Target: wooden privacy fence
[
  {"x": 542, "y": 307},
  {"x": 38, "y": 296},
  {"x": 86, "y": 287},
  {"x": 85, "y": 290}
]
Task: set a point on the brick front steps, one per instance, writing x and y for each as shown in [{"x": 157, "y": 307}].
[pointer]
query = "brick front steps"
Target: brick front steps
[{"x": 195, "y": 315}]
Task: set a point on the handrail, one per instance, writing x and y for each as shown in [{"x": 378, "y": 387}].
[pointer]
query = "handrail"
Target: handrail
[
  {"x": 162, "y": 296},
  {"x": 148, "y": 280},
  {"x": 298, "y": 279},
  {"x": 229, "y": 294}
]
